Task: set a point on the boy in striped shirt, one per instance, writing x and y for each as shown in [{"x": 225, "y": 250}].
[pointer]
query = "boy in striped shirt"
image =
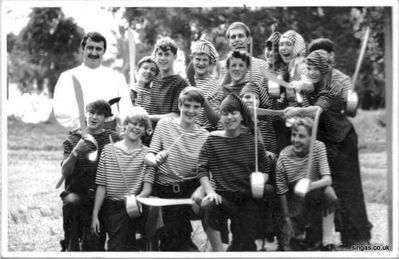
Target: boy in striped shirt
[
  {"x": 162, "y": 100},
  {"x": 174, "y": 151},
  {"x": 321, "y": 199},
  {"x": 226, "y": 161},
  {"x": 80, "y": 174},
  {"x": 121, "y": 172}
]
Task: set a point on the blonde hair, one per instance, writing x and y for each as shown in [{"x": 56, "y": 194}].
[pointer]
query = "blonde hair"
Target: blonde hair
[{"x": 140, "y": 115}]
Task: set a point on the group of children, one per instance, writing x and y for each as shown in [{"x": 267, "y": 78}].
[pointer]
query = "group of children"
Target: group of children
[{"x": 197, "y": 140}]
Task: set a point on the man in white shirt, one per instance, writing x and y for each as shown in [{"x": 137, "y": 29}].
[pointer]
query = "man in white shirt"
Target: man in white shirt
[{"x": 97, "y": 82}]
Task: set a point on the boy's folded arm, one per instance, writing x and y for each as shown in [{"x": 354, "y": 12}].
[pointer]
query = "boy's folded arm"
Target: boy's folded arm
[{"x": 323, "y": 182}]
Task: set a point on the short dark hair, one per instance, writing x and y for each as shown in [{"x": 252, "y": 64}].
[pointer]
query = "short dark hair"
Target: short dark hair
[
  {"x": 94, "y": 36},
  {"x": 99, "y": 107},
  {"x": 166, "y": 44},
  {"x": 148, "y": 59},
  {"x": 191, "y": 93},
  {"x": 238, "y": 25},
  {"x": 321, "y": 43},
  {"x": 241, "y": 54}
]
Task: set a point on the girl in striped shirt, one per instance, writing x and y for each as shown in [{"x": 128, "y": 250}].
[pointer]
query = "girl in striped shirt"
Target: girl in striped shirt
[
  {"x": 227, "y": 158},
  {"x": 174, "y": 152},
  {"x": 121, "y": 172},
  {"x": 292, "y": 167}
]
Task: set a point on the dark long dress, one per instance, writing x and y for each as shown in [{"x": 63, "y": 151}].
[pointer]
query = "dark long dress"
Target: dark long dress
[{"x": 340, "y": 138}]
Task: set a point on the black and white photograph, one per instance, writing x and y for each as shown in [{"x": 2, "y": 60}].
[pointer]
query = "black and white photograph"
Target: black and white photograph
[{"x": 204, "y": 129}]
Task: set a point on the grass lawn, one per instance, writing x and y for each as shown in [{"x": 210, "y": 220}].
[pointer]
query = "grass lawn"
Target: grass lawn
[{"x": 34, "y": 206}]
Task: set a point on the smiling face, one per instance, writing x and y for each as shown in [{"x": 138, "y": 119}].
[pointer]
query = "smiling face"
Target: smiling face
[
  {"x": 147, "y": 72},
  {"x": 231, "y": 120},
  {"x": 189, "y": 111},
  {"x": 165, "y": 60},
  {"x": 95, "y": 121},
  {"x": 238, "y": 40},
  {"x": 201, "y": 64},
  {"x": 314, "y": 74},
  {"x": 134, "y": 130},
  {"x": 249, "y": 97},
  {"x": 237, "y": 70},
  {"x": 300, "y": 140},
  {"x": 93, "y": 53},
  {"x": 285, "y": 49}
]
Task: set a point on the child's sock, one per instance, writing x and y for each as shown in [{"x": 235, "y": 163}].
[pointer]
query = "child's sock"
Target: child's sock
[{"x": 328, "y": 229}]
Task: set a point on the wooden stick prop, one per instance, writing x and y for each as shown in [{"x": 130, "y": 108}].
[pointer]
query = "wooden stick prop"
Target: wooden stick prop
[
  {"x": 92, "y": 156},
  {"x": 132, "y": 57},
  {"x": 352, "y": 101},
  {"x": 133, "y": 208},
  {"x": 174, "y": 142},
  {"x": 268, "y": 112},
  {"x": 303, "y": 185},
  {"x": 157, "y": 202}
]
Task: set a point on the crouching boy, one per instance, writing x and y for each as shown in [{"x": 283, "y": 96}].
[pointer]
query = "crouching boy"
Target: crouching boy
[
  {"x": 121, "y": 172},
  {"x": 320, "y": 200}
]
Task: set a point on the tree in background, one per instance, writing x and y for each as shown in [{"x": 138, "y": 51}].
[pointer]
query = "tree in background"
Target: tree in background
[{"x": 48, "y": 45}]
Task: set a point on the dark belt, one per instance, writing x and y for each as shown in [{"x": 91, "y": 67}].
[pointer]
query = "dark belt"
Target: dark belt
[{"x": 178, "y": 188}]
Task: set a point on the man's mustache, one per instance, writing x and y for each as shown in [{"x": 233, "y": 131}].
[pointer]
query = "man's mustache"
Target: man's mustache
[{"x": 93, "y": 56}]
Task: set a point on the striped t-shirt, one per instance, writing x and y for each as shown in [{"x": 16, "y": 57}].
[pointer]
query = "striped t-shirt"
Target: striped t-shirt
[
  {"x": 131, "y": 164},
  {"x": 163, "y": 96},
  {"x": 230, "y": 161},
  {"x": 291, "y": 168},
  {"x": 183, "y": 156},
  {"x": 209, "y": 87},
  {"x": 85, "y": 168}
]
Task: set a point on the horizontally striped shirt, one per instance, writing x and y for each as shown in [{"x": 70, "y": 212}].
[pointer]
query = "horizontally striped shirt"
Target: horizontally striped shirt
[
  {"x": 209, "y": 87},
  {"x": 183, "y": 157},
  {"x": 265, "y": 125},
  {"x": 84, "y": 167},
  {"x": 110, "y": 168},
  {"x": 163, "y": 96},
  {"x": 291, "y": 168},
  {"x": 230, "y": 161}
]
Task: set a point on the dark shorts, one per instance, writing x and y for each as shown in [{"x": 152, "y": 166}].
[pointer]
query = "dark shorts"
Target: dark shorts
[
  {"x": 242, "y": 210},
  {"x": 120, "y": 228}
]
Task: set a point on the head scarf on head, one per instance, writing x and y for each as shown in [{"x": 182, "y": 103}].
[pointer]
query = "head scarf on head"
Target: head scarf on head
[
  {"x": 206, "y": 47},
  {"x": 321, "y": 60},
  {"x": 274, "y": 39},
  {"x": 233, "y": 103},
  {"x": 250, "y": 88},
  {"x": 297, "y": 40}
]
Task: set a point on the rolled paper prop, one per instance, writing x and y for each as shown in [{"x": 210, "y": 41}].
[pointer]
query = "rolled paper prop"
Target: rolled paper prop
[
  {"x": 302, "y": 187},
  {"x": 258, "y": 180},
  {"x": 352, "y": 103},
  {"x": 273, "y": 90},
  {"x": 133, "y": 208}
]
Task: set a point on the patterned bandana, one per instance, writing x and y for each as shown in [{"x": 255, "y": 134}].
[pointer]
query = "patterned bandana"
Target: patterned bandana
[
  {"x": 273, "y": 39},
  {"x": 204, "y": 46},
  {"x": 297, "y": 40},
  {"x": 233, "y": 103},
  {"x": 321, "y": 60}
]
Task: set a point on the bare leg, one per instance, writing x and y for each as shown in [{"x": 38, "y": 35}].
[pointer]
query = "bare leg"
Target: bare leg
[{"x": 215, "y": 239}]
